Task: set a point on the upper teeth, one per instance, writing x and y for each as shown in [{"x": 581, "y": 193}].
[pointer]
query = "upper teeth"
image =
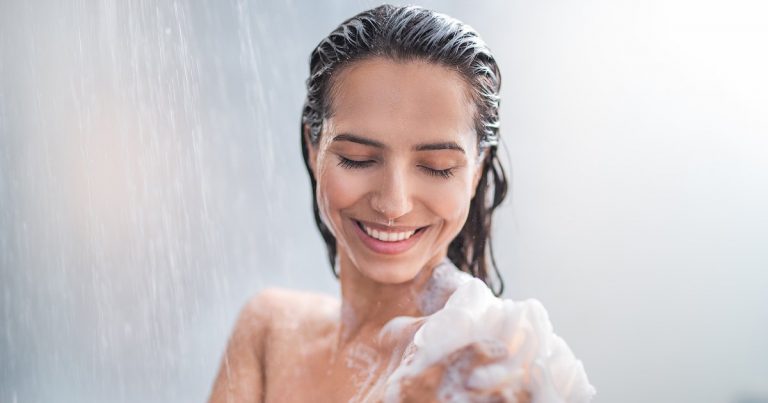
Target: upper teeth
[{"x": 388, "y": 236}]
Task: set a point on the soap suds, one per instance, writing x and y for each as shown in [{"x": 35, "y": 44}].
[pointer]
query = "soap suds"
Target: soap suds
[
  {"x": 540, "y": 364},
  {"x": 461, "y": 310},
  {"x": 365, "y": 362},
  {"x": 445, "y": 279}
]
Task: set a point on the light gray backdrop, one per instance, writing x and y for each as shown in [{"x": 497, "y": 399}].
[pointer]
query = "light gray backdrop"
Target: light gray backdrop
[{"x": 151, "y": 181}]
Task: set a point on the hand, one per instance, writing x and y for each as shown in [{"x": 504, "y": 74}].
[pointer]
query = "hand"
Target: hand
[{"x": 476, "y": 372}]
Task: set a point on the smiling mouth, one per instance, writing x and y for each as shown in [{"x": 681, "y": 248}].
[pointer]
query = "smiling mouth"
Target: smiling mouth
[{"x": 388, "y": 235}]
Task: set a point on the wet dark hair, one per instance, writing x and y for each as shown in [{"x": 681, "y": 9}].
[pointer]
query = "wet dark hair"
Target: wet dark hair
[{"x": 410, "y": 33}]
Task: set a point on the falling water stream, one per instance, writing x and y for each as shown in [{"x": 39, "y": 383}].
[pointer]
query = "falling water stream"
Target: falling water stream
[{"x": 151, "y": 181}]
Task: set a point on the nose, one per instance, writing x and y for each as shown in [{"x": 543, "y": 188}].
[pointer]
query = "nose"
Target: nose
[{"x": 392, "y": 195}]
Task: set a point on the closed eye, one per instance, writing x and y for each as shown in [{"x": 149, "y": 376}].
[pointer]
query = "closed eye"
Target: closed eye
[
  {"x": 440, "y": 173},
  {"x": 354, "y": 164}
]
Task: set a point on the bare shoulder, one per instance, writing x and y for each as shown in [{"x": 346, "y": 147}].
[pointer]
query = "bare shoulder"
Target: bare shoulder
[
  {"x": 269, "y": 320},
  {"x": 276, "y": 308},
  {"x": 273, "y": 311}
]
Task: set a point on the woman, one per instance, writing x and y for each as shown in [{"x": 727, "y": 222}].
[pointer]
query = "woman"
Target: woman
[{"x": 399, "y": 135}]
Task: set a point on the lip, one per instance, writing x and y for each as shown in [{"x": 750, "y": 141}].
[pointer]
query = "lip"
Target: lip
[
  {"x": 388, "y": 248},
  {"x": 388, "y": 228}
]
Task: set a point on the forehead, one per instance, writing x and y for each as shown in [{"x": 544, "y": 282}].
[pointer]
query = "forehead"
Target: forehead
[{"x": 394, "y": 101}]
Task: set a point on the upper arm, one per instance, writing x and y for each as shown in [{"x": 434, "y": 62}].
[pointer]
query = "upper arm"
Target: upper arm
[{"x": 241, "y": 373}]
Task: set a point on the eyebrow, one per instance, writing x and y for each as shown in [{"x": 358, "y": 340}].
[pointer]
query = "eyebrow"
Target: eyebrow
[
  {"x": 359, "y": 140},
  {"x": 353, "y": 138},
  {"x": 449, "y": 145}
]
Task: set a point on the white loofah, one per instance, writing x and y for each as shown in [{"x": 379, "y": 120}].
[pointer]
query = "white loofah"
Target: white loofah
[{"x": 540, "y": 362}]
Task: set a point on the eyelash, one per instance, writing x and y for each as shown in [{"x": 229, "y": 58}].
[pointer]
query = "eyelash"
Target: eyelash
[{"x": 352, "y": 164}]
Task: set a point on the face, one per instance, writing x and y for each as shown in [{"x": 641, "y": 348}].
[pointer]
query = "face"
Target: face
[{"x": 396, "y": 166}]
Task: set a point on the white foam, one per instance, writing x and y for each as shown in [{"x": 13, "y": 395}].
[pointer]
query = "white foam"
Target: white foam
[
  {"x": 540, "y": 363},
  {"x": 445, "y": 279},
  {"x": 365, "y": 362}
]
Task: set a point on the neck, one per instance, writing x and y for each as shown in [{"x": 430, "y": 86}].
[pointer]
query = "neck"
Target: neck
[{"x": 368, "y": 305}]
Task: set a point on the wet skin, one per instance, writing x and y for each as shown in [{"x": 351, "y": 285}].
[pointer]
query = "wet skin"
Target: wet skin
[{"x": 398, "y": 155}]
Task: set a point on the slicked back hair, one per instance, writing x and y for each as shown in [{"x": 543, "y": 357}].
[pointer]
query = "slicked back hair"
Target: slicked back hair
[{"x": 410, "y": 33}]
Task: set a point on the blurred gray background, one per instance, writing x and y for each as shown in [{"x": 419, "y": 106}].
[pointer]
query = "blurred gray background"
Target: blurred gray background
[{"x": 151, "y": 182}]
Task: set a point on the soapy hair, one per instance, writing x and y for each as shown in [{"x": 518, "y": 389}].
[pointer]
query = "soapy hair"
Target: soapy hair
[{"x": 410, "y": 33}]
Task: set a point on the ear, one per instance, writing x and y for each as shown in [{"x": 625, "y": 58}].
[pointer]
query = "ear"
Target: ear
[{"x": 311, "y": 150}]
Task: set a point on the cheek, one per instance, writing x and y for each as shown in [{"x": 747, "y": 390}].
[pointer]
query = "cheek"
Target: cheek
[
  {"x": 450, "y": 200},
  {"x": 338, "y": 190}
]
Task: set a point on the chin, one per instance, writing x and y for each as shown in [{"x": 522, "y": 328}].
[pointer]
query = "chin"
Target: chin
[{"x": 391, "y": 272}]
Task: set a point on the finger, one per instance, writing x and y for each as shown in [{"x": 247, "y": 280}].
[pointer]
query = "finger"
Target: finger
[
  {"x": 456, "y": 368},
  {"x": 478, "y": 353},
  {"x": 417, "y": 388},
  {"x": 506, "y": 387},
  {"x": 489, "y": 351},
  {"x": 523, "y": 397},
  {"x": 493, "y": 377},
  {"x": 494, "y": 397},
  {"x": 503, "y": 395}
]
